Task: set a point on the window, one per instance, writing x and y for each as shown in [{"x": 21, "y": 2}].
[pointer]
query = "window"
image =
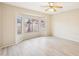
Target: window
[
  {"x": 19, "y": 25},
  {"x": 30, "y": 24}
]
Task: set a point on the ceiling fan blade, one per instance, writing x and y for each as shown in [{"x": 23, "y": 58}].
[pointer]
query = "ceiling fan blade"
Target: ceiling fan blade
[{"x": 57, "y": 6}]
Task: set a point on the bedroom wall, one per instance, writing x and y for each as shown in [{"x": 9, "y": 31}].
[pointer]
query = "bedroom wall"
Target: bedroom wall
[
  {"x": 8, "y": 25},
  {"x": 9, "y": 14},
  {"x": 50, "y": 25},
  {"x": 66, "y": 25},
  {"x": 0, "y": 27}
]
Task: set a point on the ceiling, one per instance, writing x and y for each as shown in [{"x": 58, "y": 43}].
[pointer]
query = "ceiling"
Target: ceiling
[{"x": 37, "y": 6}]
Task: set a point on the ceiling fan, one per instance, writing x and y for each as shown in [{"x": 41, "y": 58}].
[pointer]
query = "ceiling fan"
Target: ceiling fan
[{"x": 52, "y": 6}]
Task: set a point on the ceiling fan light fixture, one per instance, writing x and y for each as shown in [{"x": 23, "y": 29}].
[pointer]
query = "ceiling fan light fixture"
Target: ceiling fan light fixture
[
  {"x": 53, "y": 6},
  {"x": 52, "y": 10}
]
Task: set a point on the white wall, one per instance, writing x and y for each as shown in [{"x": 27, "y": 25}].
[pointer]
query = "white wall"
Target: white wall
[
  {"x": 0, "y": 26},
  {"x": 66, "y": 25}
]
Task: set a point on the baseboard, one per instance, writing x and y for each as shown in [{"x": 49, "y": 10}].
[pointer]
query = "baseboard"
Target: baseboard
[{"x": 66, "y": 39}]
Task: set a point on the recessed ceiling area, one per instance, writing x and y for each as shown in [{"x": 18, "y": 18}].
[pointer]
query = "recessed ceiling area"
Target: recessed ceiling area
[{"x": 37, "y": 6}]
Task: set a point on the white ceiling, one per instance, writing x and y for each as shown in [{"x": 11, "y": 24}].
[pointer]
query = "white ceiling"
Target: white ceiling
[{"x": 37, "y": 6}]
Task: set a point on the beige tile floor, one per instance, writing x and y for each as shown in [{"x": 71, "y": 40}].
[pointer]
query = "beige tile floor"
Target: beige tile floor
[{"x": 43, "y": 46}]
